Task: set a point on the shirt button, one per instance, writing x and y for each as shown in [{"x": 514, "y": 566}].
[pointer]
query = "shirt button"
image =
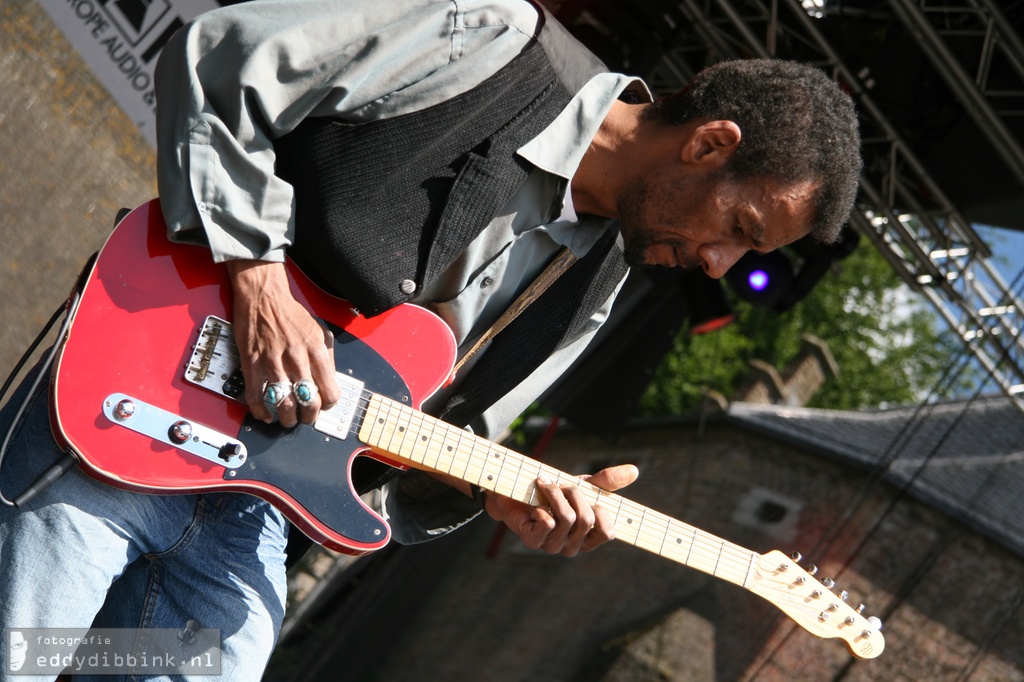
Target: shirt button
[
  {"x": 407, "y": 286},
  {"x": 486, "y": 282}
]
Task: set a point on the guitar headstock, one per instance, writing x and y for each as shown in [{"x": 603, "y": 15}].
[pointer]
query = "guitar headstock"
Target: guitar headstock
[{"x": 813, "y": 605}]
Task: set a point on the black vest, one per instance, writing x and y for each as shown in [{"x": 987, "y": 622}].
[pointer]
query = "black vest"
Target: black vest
[{"x": 394, "y": 201}]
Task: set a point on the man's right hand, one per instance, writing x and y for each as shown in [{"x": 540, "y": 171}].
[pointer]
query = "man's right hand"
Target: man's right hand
[{"x": 279, "y": 342}]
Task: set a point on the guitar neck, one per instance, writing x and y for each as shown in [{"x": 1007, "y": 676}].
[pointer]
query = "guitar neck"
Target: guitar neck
[{"x": 423, "y": 442}]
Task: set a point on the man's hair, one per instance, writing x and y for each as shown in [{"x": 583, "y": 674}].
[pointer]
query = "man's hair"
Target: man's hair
[{"x": 796, "y": 125}]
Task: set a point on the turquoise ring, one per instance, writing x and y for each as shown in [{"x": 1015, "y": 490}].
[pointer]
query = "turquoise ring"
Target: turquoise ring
[
  {"x": 305, "y": 392},
  {"x": 274, "y": 393}
]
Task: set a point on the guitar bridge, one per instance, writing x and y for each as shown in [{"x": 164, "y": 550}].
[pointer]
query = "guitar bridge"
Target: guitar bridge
[{"x": 215, "y": 366}]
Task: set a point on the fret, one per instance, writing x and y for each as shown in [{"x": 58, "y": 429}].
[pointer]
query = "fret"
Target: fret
[
  {"x": 396, "y": 430},
  {"x": 411, "y": 429},
  {"x": 527, "y": 474},
  {"x": 651, "y": 534},
  {"x": 373, "y": 424},
  {"x": 433, "y": 445},
  {"x": 428, "y": 443},
  {"x": 623, "y": 522},
  {"x": 492, "y": 463},
  {"x": 678, "y": 542},
  {"x": 447, "y": 456},
  {"x": 735, "y": 565},
  {"x": 520, "y": 462},
  {"x": 454, "y": 449},
  {"x": 475, "y": 460},
  {"x": 502, "y": 458}
]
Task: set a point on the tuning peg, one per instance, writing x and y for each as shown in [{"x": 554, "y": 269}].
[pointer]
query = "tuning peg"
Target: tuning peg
[
  {"x": 828, "y": 583},
  {"x": 874, "y": 625},
  {"x": 812, "y": 569},
  {"x": 860, "y": 608},
  {"x": 844, "y": 595},
  {"x": 796, "y": 556}
]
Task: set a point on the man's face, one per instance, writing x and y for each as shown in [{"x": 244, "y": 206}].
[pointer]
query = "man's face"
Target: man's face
[{"x": 711, "y": 223}]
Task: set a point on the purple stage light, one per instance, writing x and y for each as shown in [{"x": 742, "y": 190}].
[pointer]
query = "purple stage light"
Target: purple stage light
[{"x": 758, "y": 280}]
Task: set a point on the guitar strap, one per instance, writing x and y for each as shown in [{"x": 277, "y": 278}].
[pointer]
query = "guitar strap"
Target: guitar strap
[{"x": 562, "y": 261}]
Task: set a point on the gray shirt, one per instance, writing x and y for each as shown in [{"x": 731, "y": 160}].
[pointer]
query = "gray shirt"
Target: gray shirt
[{"x": 241, "y": 76}]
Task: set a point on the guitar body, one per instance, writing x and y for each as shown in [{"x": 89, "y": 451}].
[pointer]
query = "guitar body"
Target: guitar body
[{"x": 133, "y": 333}]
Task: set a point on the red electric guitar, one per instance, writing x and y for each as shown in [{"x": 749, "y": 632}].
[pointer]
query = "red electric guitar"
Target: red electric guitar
[{"x": 146, "y": 393}]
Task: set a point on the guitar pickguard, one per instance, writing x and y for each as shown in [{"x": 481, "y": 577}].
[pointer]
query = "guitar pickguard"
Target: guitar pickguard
[{"x": 313, "y": 467}]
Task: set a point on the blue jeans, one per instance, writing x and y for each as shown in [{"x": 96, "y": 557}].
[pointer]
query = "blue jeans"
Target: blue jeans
[{"x": 84, "y": 554}]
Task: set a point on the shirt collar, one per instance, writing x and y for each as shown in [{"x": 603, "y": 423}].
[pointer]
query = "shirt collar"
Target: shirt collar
[{"x": 560, "y": 147}]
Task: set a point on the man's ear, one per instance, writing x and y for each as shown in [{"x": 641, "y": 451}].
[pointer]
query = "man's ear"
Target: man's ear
[{"x": 711, "y": 142}]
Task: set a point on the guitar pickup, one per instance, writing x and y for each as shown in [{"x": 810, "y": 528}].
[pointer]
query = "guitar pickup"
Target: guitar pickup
[{"x": 337, "y": 421}]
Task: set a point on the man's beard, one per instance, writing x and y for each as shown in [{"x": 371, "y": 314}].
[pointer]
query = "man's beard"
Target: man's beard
[{"x": 637, "y": 238}]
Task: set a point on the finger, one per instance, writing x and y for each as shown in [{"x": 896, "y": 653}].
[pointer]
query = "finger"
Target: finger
[
  {"x": 614, "y": 478},
  {"x": 531, "y": 526},
  {"x": 254, "y": 398},
  {"x": 283, "y": 370},
  {"x": 323, "y": 370},
  {"x": 602, "y": 532},
  {"x": 323, "y": 374},
  {"x": 584, "y": 524},
  {"x": 561, "y": 511},
  {"x": 288, "y": 412},
  {"x": 306, "y": 396},
  {"x": 257, "y": 376},
  {"x": 314, "y": 362}
]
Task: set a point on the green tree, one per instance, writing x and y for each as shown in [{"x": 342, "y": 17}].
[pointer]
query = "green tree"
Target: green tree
[{"x": 888, "y": 346}]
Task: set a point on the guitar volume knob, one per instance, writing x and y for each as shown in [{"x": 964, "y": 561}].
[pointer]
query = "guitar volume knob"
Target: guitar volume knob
[
  {"x": 180, "y": 431},
  {"x": 124, "y": 409}
]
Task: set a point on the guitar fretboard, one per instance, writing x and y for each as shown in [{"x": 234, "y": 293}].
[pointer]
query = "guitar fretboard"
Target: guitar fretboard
[{"x": 423, "y": 442}]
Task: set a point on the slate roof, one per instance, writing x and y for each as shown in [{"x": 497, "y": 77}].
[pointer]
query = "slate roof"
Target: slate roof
[{"x": 965, "y": 458}]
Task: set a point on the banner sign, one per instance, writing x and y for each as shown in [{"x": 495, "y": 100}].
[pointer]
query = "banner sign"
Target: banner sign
[{"x": 120, "y": 40}]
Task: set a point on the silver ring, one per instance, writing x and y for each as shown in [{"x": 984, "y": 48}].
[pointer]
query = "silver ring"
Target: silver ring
[
  {"x": 305, "y": 392},
  {"x": 274, "y": 393}
]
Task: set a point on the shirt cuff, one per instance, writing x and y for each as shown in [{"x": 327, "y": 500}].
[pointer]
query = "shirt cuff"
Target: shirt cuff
[{"x": 418, "y": 507}]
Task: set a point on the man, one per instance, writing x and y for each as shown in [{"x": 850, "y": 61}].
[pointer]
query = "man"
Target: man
[{"x": 435, "y": 153}]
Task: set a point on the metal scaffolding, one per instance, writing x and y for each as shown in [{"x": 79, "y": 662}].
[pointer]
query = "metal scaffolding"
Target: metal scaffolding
[{"x": 903, "y": 210}]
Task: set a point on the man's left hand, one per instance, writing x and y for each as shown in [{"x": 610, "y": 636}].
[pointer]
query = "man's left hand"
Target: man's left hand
[{"x": 567, "y": 524}]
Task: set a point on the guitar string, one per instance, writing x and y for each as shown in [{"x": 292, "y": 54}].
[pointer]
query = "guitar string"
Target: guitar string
[
  {"x": 401, "y": 423},
  {"x": 652, "y": 532}
]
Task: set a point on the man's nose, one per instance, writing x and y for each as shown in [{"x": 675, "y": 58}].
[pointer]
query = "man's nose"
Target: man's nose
[{"x": 717, "y": 259}]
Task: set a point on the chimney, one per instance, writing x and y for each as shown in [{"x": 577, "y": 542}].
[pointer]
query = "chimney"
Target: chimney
[{"x": 801, "y": 379}]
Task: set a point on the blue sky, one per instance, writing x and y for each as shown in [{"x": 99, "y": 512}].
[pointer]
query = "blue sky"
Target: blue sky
[{"x": 1007, "y": 248}]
